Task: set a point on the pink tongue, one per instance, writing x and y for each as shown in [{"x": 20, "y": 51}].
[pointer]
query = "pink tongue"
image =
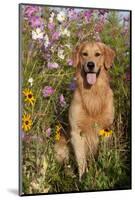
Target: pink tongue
[{"x": 91, "y": 78}]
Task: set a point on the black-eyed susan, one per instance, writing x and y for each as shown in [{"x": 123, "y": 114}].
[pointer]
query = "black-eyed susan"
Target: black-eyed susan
[
  {"x": 57, "y": 133},
  {"x": 101, "y": 132},
  {"x": 105, "y": 133},
  {"x": 26, "y": 122},
  {"x": 108, "y": 133},
  {"x": 29, "y": 96}
]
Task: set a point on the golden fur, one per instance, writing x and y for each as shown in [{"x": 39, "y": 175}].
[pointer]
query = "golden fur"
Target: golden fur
[{"x": 92, "y": 105}]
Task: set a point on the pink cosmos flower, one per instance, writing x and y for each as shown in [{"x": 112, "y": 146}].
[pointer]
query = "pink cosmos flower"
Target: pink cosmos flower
[
  {"x": 51, "y": 26},
  {"x": 55, "y": 35},
  {"x": 52, "y": 65},
  {"x": 48, "y": 132},
  {"x": 31, "y": 10},
  {"x": 70, "y": 62},
  {"x": 62, "y": 100},
  {"x": 47, "y": 91},
  {"x": 36, "y": 21},
  {"x": 87, "y": 15},
  {"x": 72, "y": 14}
]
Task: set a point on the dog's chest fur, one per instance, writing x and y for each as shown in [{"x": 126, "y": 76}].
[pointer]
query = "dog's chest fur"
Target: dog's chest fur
[
  {"x": 95, "y": 98},
  {"x": 93, "y": 102}
]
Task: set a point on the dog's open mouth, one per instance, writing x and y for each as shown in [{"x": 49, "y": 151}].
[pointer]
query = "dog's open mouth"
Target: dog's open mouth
[{"x": 91, "y": 78}]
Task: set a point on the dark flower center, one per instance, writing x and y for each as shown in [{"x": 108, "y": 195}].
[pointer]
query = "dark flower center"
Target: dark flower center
[
  {"x": 26, "y": 122},
  {"x": 29, "y": 96}
]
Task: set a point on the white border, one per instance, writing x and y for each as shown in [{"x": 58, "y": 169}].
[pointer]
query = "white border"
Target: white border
[{"x": 9, "y": 97}]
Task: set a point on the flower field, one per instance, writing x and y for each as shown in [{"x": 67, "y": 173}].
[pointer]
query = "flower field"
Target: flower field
[{"x": 48, "y": 37}]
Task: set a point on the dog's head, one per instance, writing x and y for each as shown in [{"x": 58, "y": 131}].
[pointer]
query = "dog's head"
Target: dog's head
[{"x": 92, "y": 58}]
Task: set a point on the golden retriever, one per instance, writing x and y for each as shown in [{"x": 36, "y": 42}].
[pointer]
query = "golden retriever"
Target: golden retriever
[{"x": 92, "y": 105}]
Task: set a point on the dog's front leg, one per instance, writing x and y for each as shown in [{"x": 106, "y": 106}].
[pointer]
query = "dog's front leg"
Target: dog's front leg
[{"x": 78, "y": 143}]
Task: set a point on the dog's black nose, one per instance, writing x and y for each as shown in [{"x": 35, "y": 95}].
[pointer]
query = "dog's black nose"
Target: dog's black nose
[{"x": 90, "y": 65}]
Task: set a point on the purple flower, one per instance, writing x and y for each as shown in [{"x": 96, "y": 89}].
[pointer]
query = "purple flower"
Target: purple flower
[
  {"x": 126, "y": 18},
  {"x": 70, "y": 62},
  {"x": 87, "y": 15},
  {"x": 36, "y": 21},
  {"x": 103, "y": 11},
  {"x": 51, "y": 26},
  {"x": 62, "y": 100},
  {"x": 72, "y": 14},
  {"x": 55, "y": 35},
  {"x": 48, "y": 132},
  {"x": 31, "y": 10},
  {"x": 72, "y": 85},
  {"x": 47, "y": 91},
  {"x": 52, "y": 65}
]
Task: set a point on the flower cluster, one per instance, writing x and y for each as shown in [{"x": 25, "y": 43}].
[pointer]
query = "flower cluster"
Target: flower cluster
[
  {"x": 29, "y": 100},
  {"x": 57, "y": 28}
]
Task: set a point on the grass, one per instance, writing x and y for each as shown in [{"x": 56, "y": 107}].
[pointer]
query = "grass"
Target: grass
[{"x": 40, "y": 171}]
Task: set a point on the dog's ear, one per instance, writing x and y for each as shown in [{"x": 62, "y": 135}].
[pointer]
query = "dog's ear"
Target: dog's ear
[
  {"x": 76, "y": 56},
  {"x": 109, "y": 55}
]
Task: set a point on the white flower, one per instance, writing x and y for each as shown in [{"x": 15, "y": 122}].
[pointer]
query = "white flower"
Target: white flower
[
  {"x": 46, "y": 41},
  {"x": 50, "y": 20},
  {"x": 66, "y": 32},
  {"x": 68, "y": 46},
  {"x": 52, "y": 14},
  {"x": 37, "y": 34},
  {"x": 61, "y": 16},
  {"x": 60, "y": 54},
  {"x": 52, "y": 49},
  {"x": 30, "y": 80}
]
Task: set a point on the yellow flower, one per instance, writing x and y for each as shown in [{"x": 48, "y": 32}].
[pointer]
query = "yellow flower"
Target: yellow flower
[
  {"x": 57, "y": 133},
  {"x": 108, "y": 133},
  {"x": 101, "y": 132},
  {"x": 57, "y": 137},
  {"x": 105, "y": 133},
  {"x": 29, "y": 96},
  {"x": 26, "y": 122}
]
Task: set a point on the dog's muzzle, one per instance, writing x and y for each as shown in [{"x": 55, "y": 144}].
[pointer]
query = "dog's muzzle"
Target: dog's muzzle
[{"x": 91, "y": 73}]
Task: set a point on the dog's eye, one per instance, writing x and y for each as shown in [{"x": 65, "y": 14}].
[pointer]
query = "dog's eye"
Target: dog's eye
[
  {"x": 84, "y": 54},
  {"x": 97, "y": 54}
]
